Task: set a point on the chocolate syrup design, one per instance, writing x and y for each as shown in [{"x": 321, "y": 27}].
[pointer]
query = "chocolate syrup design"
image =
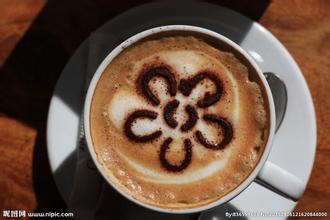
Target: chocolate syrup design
[
  {"x": 160, "y": 72},
  {"x": 185, "y": 87}
]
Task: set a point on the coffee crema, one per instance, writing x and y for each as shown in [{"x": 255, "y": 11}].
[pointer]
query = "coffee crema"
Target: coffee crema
[{"x": 176, "y": 123}]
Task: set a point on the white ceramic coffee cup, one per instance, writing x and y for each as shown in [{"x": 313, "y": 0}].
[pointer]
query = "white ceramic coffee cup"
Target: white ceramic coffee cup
[{"x": 267, "y": 173}]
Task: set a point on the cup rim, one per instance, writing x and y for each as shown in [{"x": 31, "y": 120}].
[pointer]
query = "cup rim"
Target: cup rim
[{"x": 189, "y": 28}]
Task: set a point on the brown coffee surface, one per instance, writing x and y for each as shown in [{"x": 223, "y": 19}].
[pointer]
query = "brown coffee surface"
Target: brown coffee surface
[{"x": 176, "y": 123}]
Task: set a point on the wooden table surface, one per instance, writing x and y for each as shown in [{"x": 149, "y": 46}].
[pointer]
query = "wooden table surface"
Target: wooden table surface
[{"x": 37, "y": 37}]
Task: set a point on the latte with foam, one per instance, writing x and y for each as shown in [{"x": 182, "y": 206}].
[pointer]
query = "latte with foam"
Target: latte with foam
[{"x": 177, "y": 123}]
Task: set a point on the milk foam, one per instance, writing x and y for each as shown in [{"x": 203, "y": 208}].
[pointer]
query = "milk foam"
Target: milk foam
[
  {"x": 155, "y": 177},
  {"x": 213, "y": 172}
]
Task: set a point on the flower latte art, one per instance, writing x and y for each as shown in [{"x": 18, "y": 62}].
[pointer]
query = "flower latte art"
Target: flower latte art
[
  {"x": 177, "y": 123},
  {"x": 185, "y": 87}
]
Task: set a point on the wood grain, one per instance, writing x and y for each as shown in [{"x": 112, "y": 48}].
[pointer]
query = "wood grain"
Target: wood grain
[
  {"x": 15, "y": 17},
  {"x": 17, "y": 139},
  {"x": 16, "y": 149},
  {"x": 31, "y": 30}
]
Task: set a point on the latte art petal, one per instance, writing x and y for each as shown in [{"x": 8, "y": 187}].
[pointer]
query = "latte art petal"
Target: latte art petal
[
  {"x": 169, "y": 113},
  {"x": 226, "y": 128},
  {"x": 192, "y": 120},
  {"x": 139, "y": 114},
  {"x": 184, "y": 163},
  {"x": 187, "y": 85},
  {"x": 157, "y": 72}
]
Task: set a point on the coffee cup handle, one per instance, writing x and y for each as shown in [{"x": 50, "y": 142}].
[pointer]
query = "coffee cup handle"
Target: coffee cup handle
[{"x": 280, "y": 181}]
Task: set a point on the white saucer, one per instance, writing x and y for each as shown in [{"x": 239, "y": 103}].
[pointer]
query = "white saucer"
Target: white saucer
[{"x": 294, "y": 144}]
